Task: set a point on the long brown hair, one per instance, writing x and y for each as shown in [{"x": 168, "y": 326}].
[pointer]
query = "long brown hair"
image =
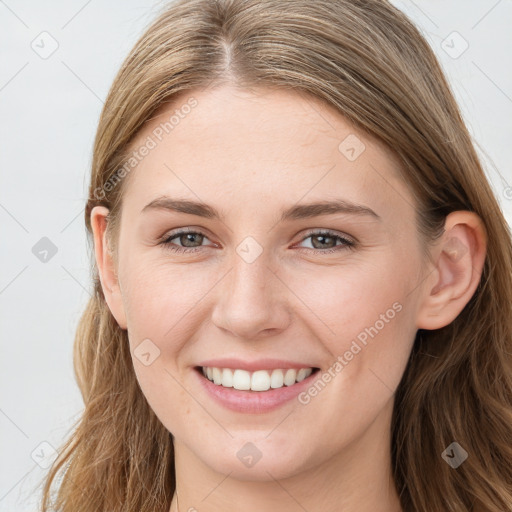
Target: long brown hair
[{"x": 368, "y": 61}]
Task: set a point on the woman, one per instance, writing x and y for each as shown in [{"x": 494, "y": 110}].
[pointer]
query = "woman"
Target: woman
[{"x": 302, "y": 277}]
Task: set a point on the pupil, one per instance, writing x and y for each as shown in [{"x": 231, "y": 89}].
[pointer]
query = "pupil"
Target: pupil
[
  {"x": 189, "y": 238},
  {"x": 322, "y": 237}
]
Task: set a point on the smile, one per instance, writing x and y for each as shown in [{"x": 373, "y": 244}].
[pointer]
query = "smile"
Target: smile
[
  {"x": 254, "y": 387},
  {"x": 260, "y": 380}
]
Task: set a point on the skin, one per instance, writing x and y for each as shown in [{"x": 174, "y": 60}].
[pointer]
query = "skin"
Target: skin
[{"x": 251, "y": 154}]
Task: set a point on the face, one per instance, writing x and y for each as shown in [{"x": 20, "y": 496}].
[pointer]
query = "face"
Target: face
[{"x": 270, "y": 283}]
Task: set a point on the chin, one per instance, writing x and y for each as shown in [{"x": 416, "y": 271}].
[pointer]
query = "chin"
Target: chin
[{"x": 260, "y": 460}]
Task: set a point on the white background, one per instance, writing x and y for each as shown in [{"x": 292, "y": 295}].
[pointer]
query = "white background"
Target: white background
[{"x": 49, "y": 109}]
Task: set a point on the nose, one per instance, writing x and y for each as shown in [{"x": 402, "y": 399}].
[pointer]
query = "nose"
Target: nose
[{"x": 251, "y": 301}]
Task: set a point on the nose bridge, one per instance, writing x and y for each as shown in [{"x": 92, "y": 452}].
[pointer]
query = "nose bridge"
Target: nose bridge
[
  {"x": 250, "y": 275},
  {"x": 249, "y": 283},
  {"x": 249, "y": 300}
]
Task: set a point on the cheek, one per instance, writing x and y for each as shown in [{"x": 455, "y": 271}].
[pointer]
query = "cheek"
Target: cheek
[
  {"x": 161, "y": 296},
  {"x": 349, "y": 298},
  {"x": 363, "y": 314},
  {"x": 365, "y": 320},
  {"x": 162, "y": 303}
]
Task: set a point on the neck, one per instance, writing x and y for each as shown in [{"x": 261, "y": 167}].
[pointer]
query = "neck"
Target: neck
[{"x": 356, "y": 479}]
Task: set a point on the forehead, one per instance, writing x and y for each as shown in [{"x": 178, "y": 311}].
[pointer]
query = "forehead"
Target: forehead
[{"x": 238, "y": 148}]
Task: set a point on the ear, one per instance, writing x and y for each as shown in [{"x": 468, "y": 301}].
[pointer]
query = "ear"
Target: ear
[
  {"x": 460, "y": 256},
  {"x": 106, "y": 267}
]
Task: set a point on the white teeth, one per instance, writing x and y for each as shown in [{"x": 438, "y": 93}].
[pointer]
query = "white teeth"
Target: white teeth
[
  {"x": 303, "y": 373},
  {"x": 217, "y": 376},
  {"x": 289, "y": 377},
  {"x": 260, "y": 380},
  {"x": 277, "y": 379},
  {"x": 227, "y": 378},
  {"x": 241, "y": 380}
]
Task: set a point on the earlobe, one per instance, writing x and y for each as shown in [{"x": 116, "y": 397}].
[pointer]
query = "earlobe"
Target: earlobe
[
  {"x": 106, "y": 267},
  {"x": 459, "y": 257}
]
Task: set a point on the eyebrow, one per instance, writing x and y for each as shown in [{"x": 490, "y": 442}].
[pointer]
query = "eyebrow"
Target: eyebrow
[{"x": 295, "y": 212}]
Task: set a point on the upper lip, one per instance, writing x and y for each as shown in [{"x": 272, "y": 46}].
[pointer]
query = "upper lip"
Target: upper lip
[{"x": 252, "y": 366}]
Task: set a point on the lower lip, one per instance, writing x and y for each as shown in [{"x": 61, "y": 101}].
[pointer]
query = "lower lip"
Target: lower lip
[{"x": 254, "y": 402}]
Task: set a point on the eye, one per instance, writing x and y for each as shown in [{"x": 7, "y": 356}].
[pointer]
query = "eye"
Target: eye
[
  {"x": 324, "y": 240},
  {"x": 187, "y": 238}
]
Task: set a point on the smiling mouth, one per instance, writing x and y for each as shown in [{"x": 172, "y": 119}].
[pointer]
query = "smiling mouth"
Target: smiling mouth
[{"x": 260, "y": 380}]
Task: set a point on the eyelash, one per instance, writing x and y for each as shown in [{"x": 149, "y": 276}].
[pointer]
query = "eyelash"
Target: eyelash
[{"x": 346, "y": 243}]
